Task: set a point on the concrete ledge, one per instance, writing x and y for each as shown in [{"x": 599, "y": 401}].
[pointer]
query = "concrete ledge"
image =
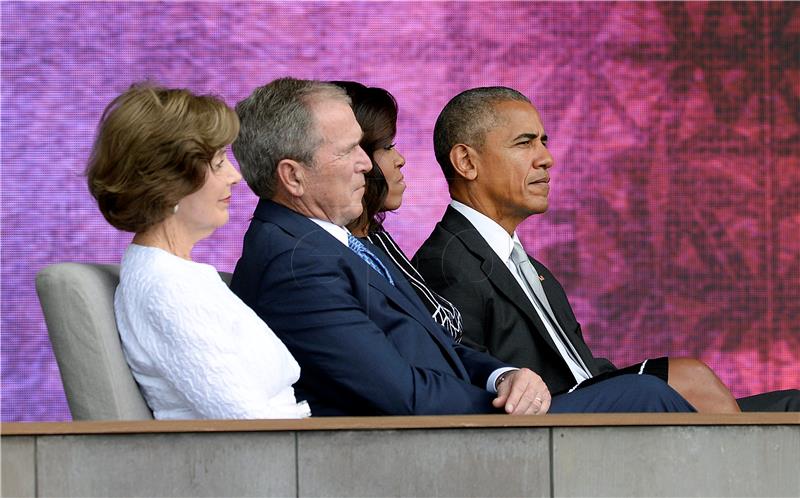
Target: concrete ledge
[
  {"x": 437, "y": 462},
  {"x": 677, "y": 461},
  {"x": 476, "y": 455},
  {"x": 18, "y": 458},
  {"x": 400, "y": 423},
  {"x": 167, "y": 465}
]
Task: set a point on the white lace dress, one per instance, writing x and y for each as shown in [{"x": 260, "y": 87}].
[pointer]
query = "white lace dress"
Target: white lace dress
[{"x": 196, "y": 350}]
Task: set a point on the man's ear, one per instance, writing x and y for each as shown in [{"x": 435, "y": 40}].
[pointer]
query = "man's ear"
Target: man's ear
[
  {"x": 292, "y": 175},
  {"x": 463, "y": 158}
]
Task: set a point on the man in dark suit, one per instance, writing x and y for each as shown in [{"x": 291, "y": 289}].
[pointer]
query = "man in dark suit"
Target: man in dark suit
[
  {"x": 492, "y": 147},
  {"x": 365, "y": 343}
]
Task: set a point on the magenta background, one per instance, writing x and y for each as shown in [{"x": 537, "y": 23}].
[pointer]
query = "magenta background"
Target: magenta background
[{"x": 675, "y": 128}]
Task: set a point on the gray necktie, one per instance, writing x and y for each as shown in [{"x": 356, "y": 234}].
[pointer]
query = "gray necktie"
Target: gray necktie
[{"x": 531, "y": 277}]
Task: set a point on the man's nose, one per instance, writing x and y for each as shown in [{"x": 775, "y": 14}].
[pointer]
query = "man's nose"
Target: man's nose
[
  {"x": 546, "y": 160},
  {"x": 364, "y": 162}
]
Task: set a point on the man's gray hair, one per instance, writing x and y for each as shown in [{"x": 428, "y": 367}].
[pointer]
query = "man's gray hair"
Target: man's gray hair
[
  {"x": 277, "y": 123},
  {"x": 466, "y": 119}
]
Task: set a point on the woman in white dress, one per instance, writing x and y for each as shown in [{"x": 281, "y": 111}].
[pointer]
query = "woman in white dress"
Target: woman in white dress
[{"x": 159, "y": 169}]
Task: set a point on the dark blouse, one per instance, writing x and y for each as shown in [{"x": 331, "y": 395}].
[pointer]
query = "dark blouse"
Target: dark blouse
[{"x": 442, "y": 310}]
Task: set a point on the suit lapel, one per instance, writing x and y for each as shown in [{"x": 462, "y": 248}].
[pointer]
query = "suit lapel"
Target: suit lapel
[
  {"x": 572, "y": 333},
  {"x": 409, "y": 299},
  {"x": 401, "y": 294},
  {"x": 495, "y": 270},
  {"x": 406, "y": 298}
]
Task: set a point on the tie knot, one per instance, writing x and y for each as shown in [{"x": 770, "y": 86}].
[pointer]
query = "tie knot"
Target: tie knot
[{"x": 518, "y": 254}]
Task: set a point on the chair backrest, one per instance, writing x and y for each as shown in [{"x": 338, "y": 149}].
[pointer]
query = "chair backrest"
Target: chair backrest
[{"x": 78, "y": 304}]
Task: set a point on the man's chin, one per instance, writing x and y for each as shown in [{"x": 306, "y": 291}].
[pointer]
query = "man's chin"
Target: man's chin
[
  {"x": 539, "y": 208},
  {"x": 352, "y": 217}
]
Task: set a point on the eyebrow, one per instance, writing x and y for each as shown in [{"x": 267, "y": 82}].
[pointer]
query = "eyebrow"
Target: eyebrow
[
  {"x": 358, "y": 142},
  {"x": 528, "y": 136}
]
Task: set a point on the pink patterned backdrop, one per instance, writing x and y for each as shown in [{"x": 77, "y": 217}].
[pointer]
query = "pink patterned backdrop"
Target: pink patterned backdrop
[{"x": 675, "y": 202}]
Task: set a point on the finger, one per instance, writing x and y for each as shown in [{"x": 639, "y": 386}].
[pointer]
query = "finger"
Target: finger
[
  {"x": 526, "y": 405},
  {"x": 536, "y": 405},
  {"x": 520, "y": 396},
  {"x": 532, "y": 409},
  {"x": 502, "y": 394},
  {"x": 512, "y": 399},
  {"x": 545, "y": 398},
  {"x": 545, "y": 405},
  {"x": 500, "y": 401}
]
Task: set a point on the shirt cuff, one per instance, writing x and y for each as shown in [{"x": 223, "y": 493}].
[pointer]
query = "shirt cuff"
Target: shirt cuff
[{"x": 493, "y": 378}]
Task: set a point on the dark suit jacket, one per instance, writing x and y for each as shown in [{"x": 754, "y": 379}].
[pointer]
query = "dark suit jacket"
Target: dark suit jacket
[
  {"x": 364, "y": 347},
  {"x": 457, "y": 262}
]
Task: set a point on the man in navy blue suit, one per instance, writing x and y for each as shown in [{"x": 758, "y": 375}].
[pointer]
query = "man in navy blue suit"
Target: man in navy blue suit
[{"x": 365, "y": 343}]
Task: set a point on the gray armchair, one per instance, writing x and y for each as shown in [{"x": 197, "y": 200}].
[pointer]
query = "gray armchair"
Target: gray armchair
[{"x": 78, "y": 304}]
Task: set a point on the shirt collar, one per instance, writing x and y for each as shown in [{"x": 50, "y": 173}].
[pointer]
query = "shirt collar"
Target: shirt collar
[
  {"x": 495, "y": 235},
  {"x": 340, "y": 233}
]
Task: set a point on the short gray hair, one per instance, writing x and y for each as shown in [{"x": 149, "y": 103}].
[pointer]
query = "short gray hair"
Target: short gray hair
[
  {"x": 277, "y": 123},
  {"x": 466, "y": 119}
]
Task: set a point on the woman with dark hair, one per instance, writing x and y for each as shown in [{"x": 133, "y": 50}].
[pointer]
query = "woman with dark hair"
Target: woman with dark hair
[
  {"x": 159, "y": 169},
  {"x": 376, "y": 112}
]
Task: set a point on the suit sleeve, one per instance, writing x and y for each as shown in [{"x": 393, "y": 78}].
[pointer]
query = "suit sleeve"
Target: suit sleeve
[{"x": 312, "y": 302}]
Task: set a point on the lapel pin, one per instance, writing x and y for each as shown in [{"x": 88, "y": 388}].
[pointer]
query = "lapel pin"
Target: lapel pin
[{"x": 541, "y": 278}]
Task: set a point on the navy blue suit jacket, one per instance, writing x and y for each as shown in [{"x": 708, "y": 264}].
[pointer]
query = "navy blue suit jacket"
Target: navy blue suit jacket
[{"x": 365, "y": 347}]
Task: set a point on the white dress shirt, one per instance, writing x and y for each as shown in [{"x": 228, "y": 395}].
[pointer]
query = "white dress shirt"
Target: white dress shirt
[{"x": 502, "y": 244}]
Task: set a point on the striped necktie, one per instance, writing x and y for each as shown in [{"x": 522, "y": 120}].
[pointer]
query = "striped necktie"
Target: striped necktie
[{"x": 369, "y": 258}]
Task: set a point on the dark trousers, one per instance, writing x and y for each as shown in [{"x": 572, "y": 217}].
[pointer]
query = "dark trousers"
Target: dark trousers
[
  {"x": 787, "y": 400},
  {"x": 622, "y": 394}
]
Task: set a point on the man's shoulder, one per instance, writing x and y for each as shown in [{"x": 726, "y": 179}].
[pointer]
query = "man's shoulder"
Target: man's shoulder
[
  {"x": 276, "y": 227},
  {"x": 453, "y": 238},
  {"x": 263, "y": 235},
  {"x": 447, "y": 256}
]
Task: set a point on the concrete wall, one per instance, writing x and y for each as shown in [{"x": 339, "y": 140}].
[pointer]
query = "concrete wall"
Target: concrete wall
[{"x": 508, "y": 461}]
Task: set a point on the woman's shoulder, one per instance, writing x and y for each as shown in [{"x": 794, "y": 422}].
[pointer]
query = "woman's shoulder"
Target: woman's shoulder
[
  {"x": 384, "y": 240},
  {"x": 162, "y": 288},
  {"x": 153, "y": 272}
]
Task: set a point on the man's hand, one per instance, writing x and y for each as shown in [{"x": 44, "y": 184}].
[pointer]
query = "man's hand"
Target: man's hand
[{"x": 522, "y": 392}]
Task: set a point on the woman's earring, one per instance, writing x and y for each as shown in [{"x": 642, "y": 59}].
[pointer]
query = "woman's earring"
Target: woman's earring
[{"x": 175, "y": 209}]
